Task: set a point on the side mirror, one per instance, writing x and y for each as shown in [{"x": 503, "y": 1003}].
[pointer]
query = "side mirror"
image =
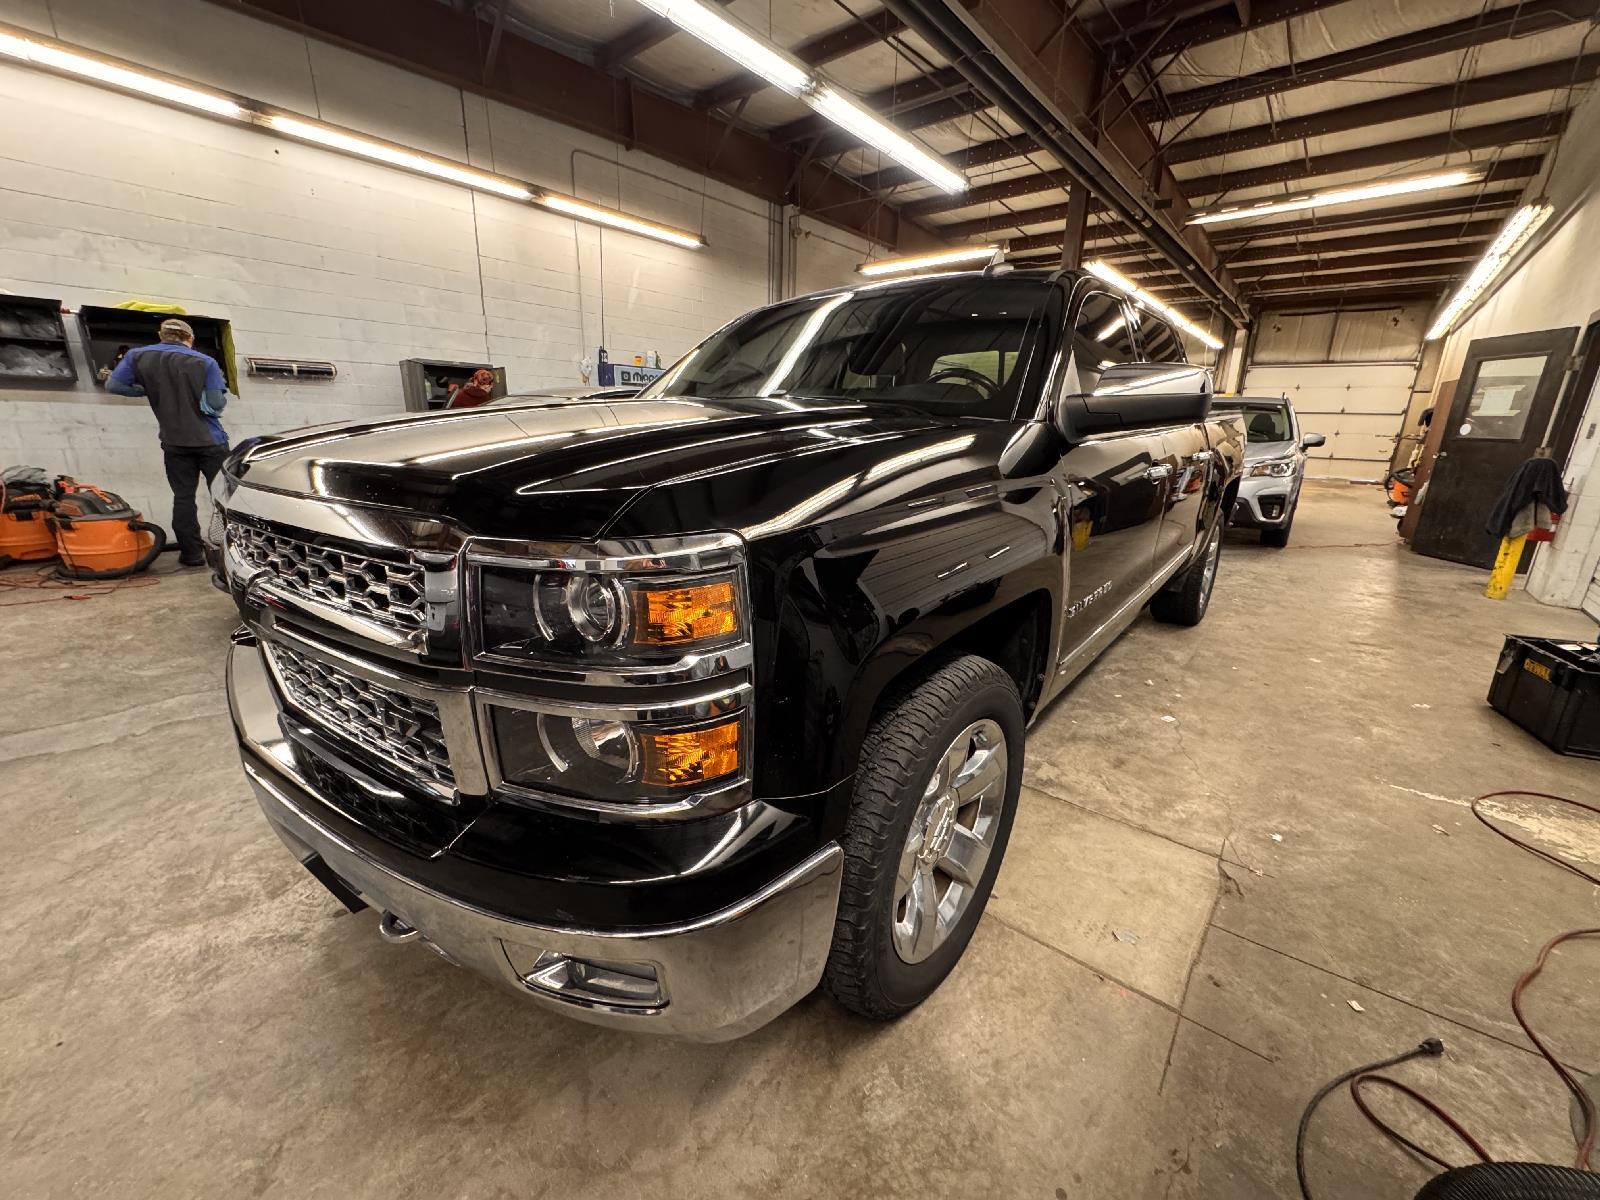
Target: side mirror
[
  {"x": 1312, "y": 439},
  {"x": 1138, "y": 396}
]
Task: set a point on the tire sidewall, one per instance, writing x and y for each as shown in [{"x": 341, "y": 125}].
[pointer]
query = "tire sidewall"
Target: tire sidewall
[{"x": 905, "y": 984}]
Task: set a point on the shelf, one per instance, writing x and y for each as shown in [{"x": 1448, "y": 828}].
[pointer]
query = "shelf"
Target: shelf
[{"x": 29, "y": 340}]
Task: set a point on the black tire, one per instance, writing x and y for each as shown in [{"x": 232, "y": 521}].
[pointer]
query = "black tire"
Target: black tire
[
  {"x": 1184, "y": 601},
  {"x": 1277, "y": 537},
  {"x": 865, "y": 973}
]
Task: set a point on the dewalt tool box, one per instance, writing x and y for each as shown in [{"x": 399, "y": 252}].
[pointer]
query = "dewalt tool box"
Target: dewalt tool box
[{"x": 1551, "y": 687}]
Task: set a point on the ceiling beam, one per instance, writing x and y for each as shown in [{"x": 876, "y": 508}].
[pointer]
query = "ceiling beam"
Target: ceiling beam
[
  {"x": 1302, "y": 248},
  {"x": 636, "y": 39},
  {"x": 441, "y": 43},
  {"x": 1225, "y": 22},
  {"x": 1227, "y": 236},
  {"x": 1393, "y": 154},
  {"x": 1545, "y": 77},
  {"x": 1438, "y": 277},
  {"x": 891, "y": 102},
  {"x": 827, "y": 46},
  {"x": 1006, "y": 189},
  {"x": 1515, "y": 20},
  {"x": 1367, "y": 295},
  {"x": 1040, "y": 71},
  {"x": 1389, "y": 260}
]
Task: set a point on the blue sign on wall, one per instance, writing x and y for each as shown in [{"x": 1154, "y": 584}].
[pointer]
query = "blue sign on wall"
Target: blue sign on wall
[{"x": 627, "y": 375}]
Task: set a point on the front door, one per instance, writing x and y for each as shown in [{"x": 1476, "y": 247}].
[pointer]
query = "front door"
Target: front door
[
  {"x": 1501, "y": 414},
  {"x": 1114, "y": 490}
]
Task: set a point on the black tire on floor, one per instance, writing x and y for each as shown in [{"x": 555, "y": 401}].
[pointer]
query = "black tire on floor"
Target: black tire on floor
[
  {"x": 865, "y": 973},
  {"x": 1276, "y": 537},
  {"x": 1185, "y": 599}
]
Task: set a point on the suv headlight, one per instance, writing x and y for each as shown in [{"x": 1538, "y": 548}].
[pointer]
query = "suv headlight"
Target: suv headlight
[
  {"x": 621, "y": 615},
  {"x": 1277, "y": 468}
]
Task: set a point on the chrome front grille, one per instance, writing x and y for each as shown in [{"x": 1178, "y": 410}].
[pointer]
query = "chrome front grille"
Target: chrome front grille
[
  {"x": 404, "y": 729},
  {"x": 389, "y": 593}
]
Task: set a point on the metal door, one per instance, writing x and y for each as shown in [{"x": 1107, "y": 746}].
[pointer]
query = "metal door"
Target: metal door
[{"x": 1503, "y": 411}]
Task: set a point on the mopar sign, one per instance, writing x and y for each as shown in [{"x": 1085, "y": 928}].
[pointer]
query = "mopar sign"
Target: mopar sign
[{"x": 624, "y": 375}]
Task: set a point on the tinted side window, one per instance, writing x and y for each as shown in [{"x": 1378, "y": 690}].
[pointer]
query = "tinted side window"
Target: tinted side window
[
  {"x": 1101, "y": 337},
  {"x": 1158, "y": 341}
]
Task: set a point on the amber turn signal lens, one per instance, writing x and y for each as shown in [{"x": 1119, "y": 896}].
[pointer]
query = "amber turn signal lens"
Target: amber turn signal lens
[
  {"x": 685, "y": 759},
  {"x": 670, "y": 616}
]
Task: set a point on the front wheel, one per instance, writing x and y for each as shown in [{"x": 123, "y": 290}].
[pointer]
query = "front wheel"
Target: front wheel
[
  {"x": 1185, "y": 599},
  {"x": 935, "y": 794}
]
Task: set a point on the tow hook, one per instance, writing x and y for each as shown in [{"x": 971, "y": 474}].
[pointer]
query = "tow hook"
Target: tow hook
[{"x": 392, "y": 929}]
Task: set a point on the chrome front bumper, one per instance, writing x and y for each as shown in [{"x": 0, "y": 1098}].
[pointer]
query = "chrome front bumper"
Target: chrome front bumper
[{"x": 718, "y": 977}]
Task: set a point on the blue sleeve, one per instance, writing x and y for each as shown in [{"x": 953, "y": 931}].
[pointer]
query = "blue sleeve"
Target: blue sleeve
[
  {"x": 214, "y": 401},
  {"x": 215, "y": 380},
  {"x": 123, "y": 382}
]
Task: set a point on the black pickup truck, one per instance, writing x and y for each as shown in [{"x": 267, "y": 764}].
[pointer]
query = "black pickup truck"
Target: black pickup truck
[{"x": 663, "y": 711}]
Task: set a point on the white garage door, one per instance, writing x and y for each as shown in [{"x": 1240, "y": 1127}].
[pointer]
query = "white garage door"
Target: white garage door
[{"x": 1359, "y": 407}]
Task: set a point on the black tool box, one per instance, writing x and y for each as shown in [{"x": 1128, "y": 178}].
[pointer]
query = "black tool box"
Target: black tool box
[{"x": 1551, "y": 687}]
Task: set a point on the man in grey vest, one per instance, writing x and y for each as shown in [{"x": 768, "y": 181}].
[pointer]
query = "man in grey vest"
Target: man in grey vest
[{"x": 187, "y": 392}]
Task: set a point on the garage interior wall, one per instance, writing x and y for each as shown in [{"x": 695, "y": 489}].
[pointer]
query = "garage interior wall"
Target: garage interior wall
[
  {"x": 1556, "y": 287},
  {"x": 1349, "y": 373},
  {"x": 312, "y": 254}
]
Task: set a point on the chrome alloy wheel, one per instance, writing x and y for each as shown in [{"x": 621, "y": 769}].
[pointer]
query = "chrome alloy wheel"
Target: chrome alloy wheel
[{"x": 948, "y": 844}]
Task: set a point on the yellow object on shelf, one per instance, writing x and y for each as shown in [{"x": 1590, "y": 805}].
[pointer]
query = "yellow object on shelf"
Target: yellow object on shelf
[{"x": 1505, "y": 567}]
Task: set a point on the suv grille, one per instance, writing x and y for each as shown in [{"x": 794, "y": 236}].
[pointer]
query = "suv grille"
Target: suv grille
[
  {"x": 399, "y": 727},
  {"x": 387, "y": 592}
]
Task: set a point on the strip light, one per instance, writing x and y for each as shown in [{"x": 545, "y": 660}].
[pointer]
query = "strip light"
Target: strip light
[
  {"x": 22, "y": 46},
  {"x": 1519, "y": 227},
  {"x": 1108, "y": 273},
  {"x": 753, "y": 53},
  {"x": 601, "y": 215},
  {"x": 1343, "y": 195},
  {"x": 726, "y": 37},
  {"x": 394, "y": 156},
  {"x": 934, "y": 258},
  {"x": 15, "y": 44}
]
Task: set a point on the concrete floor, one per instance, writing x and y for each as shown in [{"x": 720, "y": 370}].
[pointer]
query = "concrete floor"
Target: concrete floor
[{"x": 1273, "y": 805}]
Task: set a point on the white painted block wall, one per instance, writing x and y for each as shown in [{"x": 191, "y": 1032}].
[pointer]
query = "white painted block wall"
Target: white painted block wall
[{"x": 312, "y": 254}]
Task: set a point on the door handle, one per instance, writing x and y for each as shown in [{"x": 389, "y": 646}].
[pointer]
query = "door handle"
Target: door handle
[
  {"x": 1200, "y": 456},
  {"x": 1158, "y": 472}
]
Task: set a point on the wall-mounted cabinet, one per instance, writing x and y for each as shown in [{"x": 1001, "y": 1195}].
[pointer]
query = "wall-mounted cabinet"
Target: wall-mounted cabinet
[
  {"x": 33, "y": 343},
  {"x": 109, "y": 333},
  {"x": 427, "y": 385}
]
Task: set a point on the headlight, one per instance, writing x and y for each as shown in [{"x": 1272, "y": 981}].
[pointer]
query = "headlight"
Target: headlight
[
  {"x": 590, "y": 606},
  {"x": 609, "y": 759},
  {"x": 1277, "y": 468}
]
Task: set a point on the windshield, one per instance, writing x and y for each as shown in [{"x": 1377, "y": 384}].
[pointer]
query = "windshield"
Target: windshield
[
  {"x": 1263, "y": 422},
  {"x": 959, "y": 347}
]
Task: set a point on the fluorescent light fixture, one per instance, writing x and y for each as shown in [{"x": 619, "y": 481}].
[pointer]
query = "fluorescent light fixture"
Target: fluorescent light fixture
[
  {"x": 22, "y": 46},
  {"x": 601, "y": 215},
  {"x": 934, "y": 258},
  {"x": 1141, "y": 297},
  {"x": 16, "y": 43},
  {"x": 1342, "y": 195},
  {"x": 394, "y": 156},
  {"x": 1514, "y": 234},
  {"x": 728, "y": 37},
  {"x": 883, "y": 137}
]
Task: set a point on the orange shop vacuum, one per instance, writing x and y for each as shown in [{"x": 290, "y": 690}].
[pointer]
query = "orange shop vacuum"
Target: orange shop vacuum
[
  {"x": 25, "y": 498},
  {"x": 98, "y": 536}
]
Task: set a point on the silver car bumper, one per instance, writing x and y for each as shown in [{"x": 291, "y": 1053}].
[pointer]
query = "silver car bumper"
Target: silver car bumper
[
  {"x": 1265, "y": 502},
  {"x": 715, "y": 978}
]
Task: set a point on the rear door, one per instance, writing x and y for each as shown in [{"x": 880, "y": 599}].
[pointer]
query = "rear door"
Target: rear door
[
  {"x": 1185, "y": 455},
  {"x": 1502, "y": 413},
  {"x": 1114, "y": 485}
]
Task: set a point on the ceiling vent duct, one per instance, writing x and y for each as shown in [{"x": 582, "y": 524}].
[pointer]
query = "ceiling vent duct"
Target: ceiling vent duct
[{"x": 291, "y": 368}]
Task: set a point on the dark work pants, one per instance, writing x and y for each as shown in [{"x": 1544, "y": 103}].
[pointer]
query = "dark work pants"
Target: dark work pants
[{"x": 185, "y": 466}]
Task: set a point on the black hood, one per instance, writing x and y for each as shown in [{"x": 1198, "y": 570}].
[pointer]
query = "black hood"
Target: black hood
[{"x": 567, "y": 468}]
